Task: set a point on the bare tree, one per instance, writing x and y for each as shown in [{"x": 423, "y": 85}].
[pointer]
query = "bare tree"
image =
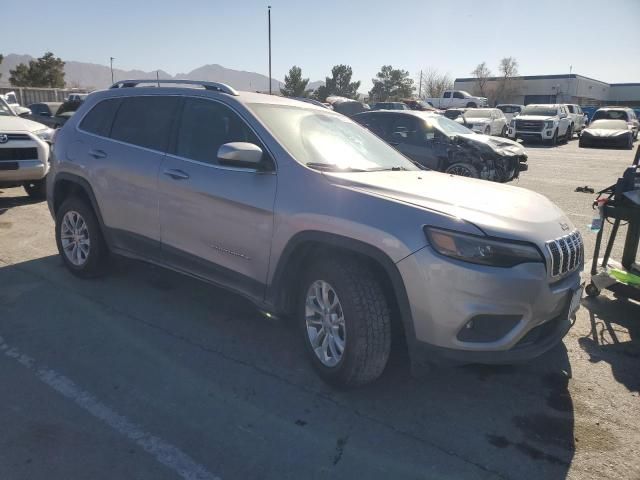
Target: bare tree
[
  {"x": 434, "y": 83},
  {"x": 482, "y": 74},
  {"x": 508, "y": 85}
]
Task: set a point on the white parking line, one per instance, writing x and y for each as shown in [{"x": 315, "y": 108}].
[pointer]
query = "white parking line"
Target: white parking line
[{"x": 165, "y": 453}]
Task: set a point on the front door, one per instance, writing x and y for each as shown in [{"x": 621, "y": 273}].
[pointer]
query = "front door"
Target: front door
[
  {"x": 409, "y": 135},
  {"x": 216, "y": 220}
]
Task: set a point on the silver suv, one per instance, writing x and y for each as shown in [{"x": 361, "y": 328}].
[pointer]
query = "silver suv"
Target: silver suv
[{"x": 310, "y": 215}]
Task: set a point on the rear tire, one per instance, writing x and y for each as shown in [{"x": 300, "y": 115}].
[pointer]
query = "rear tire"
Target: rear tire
[
  {"x": 463, "y": 169},
  {"x": 36, "y": 189},
  {"x": 358, "y": 318},
  {"x": 630, "y": 144},
  {"x": 472, "y": 105},
  {"x": 487, "y": 130},
  {"x": 79, "y": 238}
]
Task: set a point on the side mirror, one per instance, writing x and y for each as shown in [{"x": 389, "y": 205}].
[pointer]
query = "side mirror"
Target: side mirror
[
  {"x": 24, "y": 113},
  {"x": 563, "y": 115},
  {"x": 240, "y": 154}
]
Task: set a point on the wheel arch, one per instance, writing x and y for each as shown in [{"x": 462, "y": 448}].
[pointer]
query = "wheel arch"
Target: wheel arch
[
  {"x": 67, "y": 184},
  {"x": 304, "y": 246}
]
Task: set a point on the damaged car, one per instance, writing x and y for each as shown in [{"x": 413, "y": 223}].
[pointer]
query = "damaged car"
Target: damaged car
[
  {"x": 437, "y": 143},
  {"x": 607, "y": 133}
]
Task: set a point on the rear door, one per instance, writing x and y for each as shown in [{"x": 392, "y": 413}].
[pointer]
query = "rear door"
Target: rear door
[
  {"x": 216, "y": 220},
  {"x": 408, "y": 135},
  {"x": 125, "y": 142}
]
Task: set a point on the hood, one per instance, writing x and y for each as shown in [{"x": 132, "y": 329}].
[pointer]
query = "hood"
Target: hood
[
  {"x": 500, "y": 145},
  {"x": 17, "y": 124},
  {"x": 499, "y": 210},
  {"x": 535, "y": 117},
  {"x": 604, "y": 133}
]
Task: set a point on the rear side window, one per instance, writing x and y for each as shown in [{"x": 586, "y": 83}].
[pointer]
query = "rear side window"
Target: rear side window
[
  {"x": 98, "y": 121},
  {"x": 447, "y": 94},
  {"x": 145, "y": 121},
  {"x": 205, "y": 126},
  {"x": 570, "y": 108}
]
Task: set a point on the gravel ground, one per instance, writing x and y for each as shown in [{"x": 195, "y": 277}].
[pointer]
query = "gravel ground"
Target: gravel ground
[{"x": 147, "y": 374}]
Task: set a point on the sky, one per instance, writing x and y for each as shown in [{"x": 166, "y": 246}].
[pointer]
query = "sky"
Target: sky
[{"x": 546, "y": 37}]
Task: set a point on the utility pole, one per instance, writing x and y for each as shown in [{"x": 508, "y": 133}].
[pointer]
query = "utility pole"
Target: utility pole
[
  {"x": 269, "y": 21},
  {"x": 158, "y": 78},
  {"x": 111, "y": 59},
  {"x": 420, "y": 86}
]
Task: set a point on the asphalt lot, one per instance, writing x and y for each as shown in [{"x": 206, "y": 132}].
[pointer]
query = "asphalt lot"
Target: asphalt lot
[{"x": 146, "y": 374}]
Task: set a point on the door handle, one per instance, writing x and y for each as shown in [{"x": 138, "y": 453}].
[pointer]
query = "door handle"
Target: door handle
[
  {"x": 97, "y": 154},
  {"x": 176, "y": 174}
]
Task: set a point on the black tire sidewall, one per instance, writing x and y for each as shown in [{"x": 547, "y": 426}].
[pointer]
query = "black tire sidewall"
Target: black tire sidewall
[
  {"x": 341, "y": 375},
  {"x": 97, "y": 251},
  {"x": 39, "y": 189}
]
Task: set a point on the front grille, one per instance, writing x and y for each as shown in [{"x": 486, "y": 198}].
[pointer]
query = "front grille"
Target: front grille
[
  {"x": 13, "y": 154},
  {"x": 17, "y": 136},
  {"x": 567, "y": 253},
  {"x": 529, "y": 125}
]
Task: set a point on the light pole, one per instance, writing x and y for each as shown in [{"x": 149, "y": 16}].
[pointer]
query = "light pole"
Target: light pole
[
  {"x": 269, "y": 22},
  {"x": 111, "y": 59}
]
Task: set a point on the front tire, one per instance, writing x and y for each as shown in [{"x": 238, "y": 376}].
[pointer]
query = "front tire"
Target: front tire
[
  {"x": 36, "y": 189},
  {"x": 345, "y": 321},
  {"x": 554, "y": 140},
  {"x": 79, "y": 238},
  {"x": 504, "y": 131}
]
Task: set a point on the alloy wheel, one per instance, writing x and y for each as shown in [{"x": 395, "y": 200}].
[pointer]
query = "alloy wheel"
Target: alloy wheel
[
  {"x": 74, "y": 237},
  {"x": 325, "y": 323}
]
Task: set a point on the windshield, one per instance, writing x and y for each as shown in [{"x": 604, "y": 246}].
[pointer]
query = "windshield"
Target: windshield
[
  {"x": 453, "y": 114},
  {"x": 328, "y": 140},
  {"x": 477, "y": 114},
  {"x": 5, "y": 110},
  {"x": 610, "y": 115},
  {"x": 449, "y": 127},
  {"x": 540, "y": 110},
  {"x": 508, "y": 108},
  {"x": 609, "y": 124}
]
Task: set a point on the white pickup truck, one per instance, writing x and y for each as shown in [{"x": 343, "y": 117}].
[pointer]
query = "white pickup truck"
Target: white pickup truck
[{"x": 456, "y": 99}]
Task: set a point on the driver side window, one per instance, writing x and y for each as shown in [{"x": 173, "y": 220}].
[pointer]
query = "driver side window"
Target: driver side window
[
  {"x": 405, "y": 129},
  {"x": 205, "y": 126},
  {"x": 457, "y": 95}
]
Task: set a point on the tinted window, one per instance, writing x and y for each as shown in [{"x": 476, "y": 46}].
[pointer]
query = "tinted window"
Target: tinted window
[
  {"x": 447, "y": 94},
  {"x": 98, "y": 121},
  {"x": 205, "y": 126},
  {"x": 610, "y": 115},
  {"x": 406, "y": 129},
  {"x": 457, "y": 95},
  {"x": 375, "y": 123},
  {"x": 145, "y": 121},
  {"x": 38, "y": 109},
  {"x": 571, "y": 109}
]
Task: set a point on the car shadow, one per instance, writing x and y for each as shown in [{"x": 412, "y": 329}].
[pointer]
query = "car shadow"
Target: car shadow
[
  {"x": 614, "y": 337},
  {"x": 499, "y": 421},
  {"x": 9, "y": 202}
]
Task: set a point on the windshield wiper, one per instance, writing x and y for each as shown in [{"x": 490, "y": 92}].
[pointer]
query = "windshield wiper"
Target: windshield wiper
[{"x": 332, "y": 167}]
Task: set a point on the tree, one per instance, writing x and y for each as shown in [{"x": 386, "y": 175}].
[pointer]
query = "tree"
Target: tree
[
  {"x": 434, "y": 83},
  {"x": 294, "y": 84},
  {"x": 339, "y": 84},
  {"x": 482, "y": 74},
  {"x": 46, "y": 71},
  {"x": 508, "y": 86},
  {"x": 1, "y": 59},
  {"x": 391, "y": 84}
]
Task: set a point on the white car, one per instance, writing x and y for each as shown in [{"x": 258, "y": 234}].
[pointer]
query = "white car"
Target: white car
[
  {"x": 544, "y": 122},
  {"x": 457, "y": 98},
  {"x": 577, "y": 117},
  {"x": 510, "y": 110},
  {"x": 12, "y": 101},
  {"x": 489, "y": 121},
  {"x": 24, "y": 152}
]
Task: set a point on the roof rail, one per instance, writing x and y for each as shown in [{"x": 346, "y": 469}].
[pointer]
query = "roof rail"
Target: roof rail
[{"x": 218, "y": 87}]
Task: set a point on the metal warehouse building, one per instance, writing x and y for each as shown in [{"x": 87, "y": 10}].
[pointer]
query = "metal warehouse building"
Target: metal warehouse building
[{"x": 566, "y": 88}]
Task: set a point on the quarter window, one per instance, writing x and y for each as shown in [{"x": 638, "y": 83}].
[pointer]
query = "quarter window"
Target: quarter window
[
  {"x": 205, "y": 126},
  {"x": 145, "y": 121},
  {"x": 98, "y": 121}
]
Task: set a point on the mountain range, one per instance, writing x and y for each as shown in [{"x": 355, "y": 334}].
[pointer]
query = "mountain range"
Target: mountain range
[{"x": 94, "y": 76}]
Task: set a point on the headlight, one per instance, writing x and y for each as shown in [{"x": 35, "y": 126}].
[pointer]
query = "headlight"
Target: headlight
[
  {"x": 481, "y": 250},
  {"x": 549, "y": 123},
  {"x": 45, "y": 134}
]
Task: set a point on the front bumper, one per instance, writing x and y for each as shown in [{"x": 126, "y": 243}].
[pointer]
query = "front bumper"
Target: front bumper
[
  {"x": 22, "y": 171},
  {"x": 543, "y": 135},
  {"x": 16, "y": 166},
  {"x": 519, "y": 312}
]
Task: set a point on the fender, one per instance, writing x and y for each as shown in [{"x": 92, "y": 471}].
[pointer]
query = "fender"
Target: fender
[{"x": 277, "y": 285}]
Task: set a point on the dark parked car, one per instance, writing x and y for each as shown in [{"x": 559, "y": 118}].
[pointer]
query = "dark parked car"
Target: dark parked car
[
  {"x": 607, "y": 133},
  {"x": 441, "y": 144},
  {"x": 390, "y": 106},
  {"x": 44, "y": 113},
  {"x": 420, "y": 105}
]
